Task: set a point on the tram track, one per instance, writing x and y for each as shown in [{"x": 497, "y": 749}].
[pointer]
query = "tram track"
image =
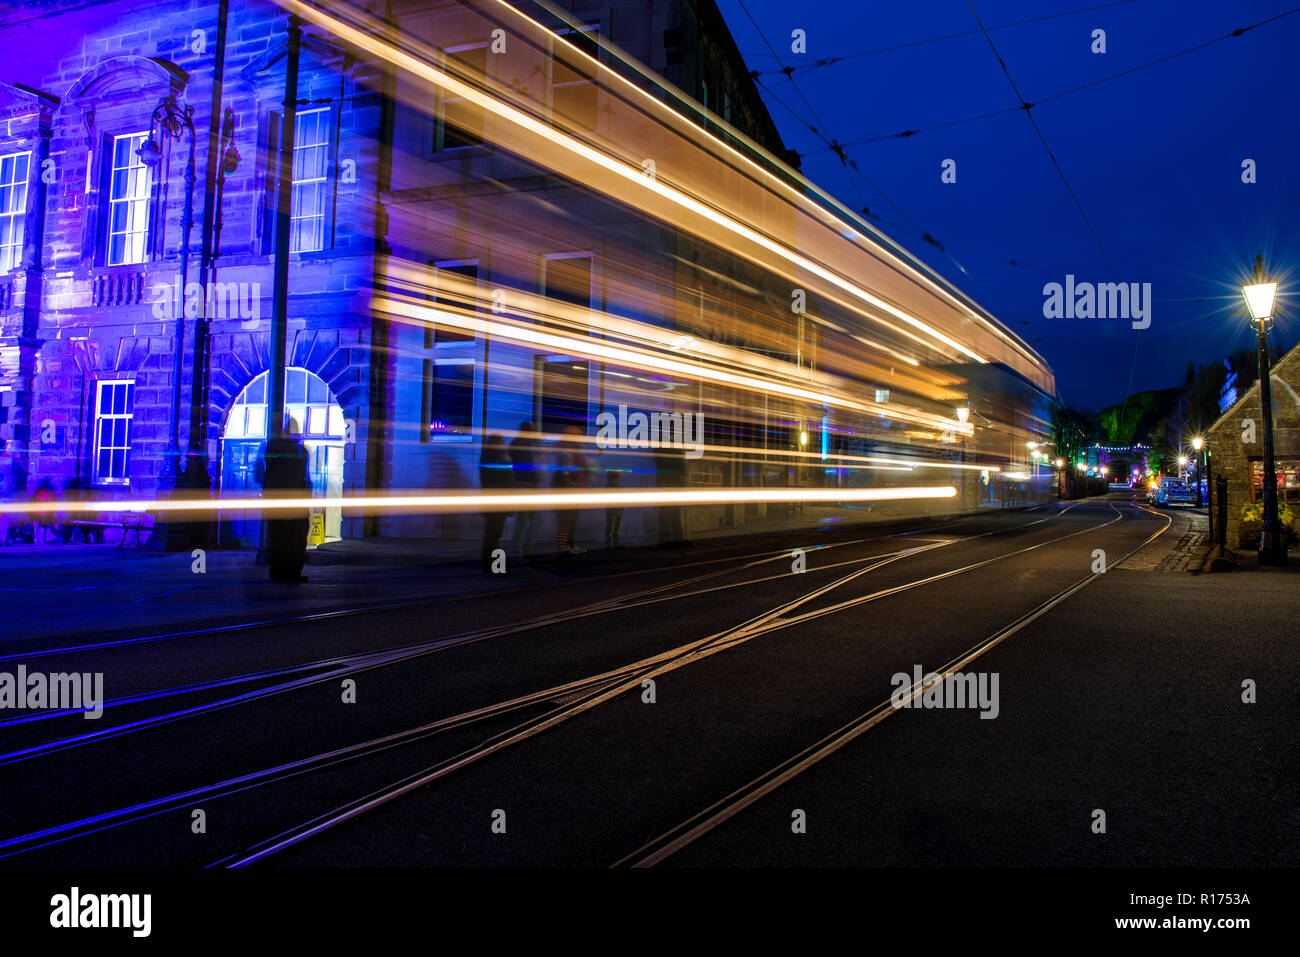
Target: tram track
[{"x": 570, "y": 699}]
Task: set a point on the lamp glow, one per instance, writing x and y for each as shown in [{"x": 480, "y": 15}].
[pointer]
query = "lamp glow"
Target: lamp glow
[{"x": 1259, "y": 299}]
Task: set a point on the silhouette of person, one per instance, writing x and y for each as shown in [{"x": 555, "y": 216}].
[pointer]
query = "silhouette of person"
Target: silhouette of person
[
  {"x": 283, "y": 471},
  {"x": 527, "y": 468}
]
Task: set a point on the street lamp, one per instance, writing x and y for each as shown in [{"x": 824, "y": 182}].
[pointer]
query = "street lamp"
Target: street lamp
[{"x": 1259, "y": 295}]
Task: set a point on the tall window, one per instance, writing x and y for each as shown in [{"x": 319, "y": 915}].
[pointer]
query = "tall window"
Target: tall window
[
  {"x": 466, "y": 126},
  {"x": 573, "y": 92},
  {"x": 13, "y": 208},
  {"x": 310, "y": 165},
  {"x": 128, "y": 197},
  {"x": 114, "y": 406}
]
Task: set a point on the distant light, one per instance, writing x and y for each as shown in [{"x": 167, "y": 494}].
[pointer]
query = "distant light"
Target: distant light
[
  {"x": 803, "y": 438},
  {"x": 963, "y": 413},
  {"x": 1060, "y": 463},
  {"x": 1182, "y": 460},
  {"x": 1197, "y": 443},
  {"x": 1031, "y": 445}
]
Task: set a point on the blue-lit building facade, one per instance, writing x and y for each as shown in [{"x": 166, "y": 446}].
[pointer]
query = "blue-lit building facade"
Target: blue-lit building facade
[
  {"x": 92, "y": 237},
  {"x": 98, "y": 259}
]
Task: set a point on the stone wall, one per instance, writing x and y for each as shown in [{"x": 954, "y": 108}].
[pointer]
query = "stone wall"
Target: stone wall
[{"x": 1237, "y": 438}]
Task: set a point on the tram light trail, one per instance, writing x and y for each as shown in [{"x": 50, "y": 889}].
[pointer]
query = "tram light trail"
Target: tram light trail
[{"x": 488, "y": 501}]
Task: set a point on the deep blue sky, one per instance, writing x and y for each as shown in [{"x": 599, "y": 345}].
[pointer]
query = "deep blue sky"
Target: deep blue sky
[{"x": 1154, "y": 158}]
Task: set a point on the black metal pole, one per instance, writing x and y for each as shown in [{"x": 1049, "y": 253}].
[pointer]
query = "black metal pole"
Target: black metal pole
[
  {"x": 167, "y": 123},
  {"x": 197, "y": 472},
  {"x": 1209, "y": 491},
  {"x": 283, "y": 210},
  {"x": 1271, "y": 549}
]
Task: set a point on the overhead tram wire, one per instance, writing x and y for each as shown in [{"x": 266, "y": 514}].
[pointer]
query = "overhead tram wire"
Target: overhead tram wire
[
  {"x": 852, "y": 167},
  {"x": 1028, "y": 108},
  {"x": 908, "y": 133},
  {"x": 812, "y": 112},
  {"x": 829, "y": 61}
]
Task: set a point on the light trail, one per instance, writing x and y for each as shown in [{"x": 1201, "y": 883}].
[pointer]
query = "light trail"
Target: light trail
[
  {"x": 635, "y": 176},
  {"x": 492, "y": 501}
]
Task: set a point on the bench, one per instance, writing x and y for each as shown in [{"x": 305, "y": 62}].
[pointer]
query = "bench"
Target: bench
[{"x": 131, "y": 523}]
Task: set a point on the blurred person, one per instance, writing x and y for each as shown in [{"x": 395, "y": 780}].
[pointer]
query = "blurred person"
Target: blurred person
[
  {"x": 613, "y": 514},
  {"x": 47, "y": 523},
  {"x": 282, "y": 471},
  {"x": 570, "y": 473},
  {"x": 495, "y": 472},
  {"x": 526, "y": 470},
  {"x": 9, "y": 494}
]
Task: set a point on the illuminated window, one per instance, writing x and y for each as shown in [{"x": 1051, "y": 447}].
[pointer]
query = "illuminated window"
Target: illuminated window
[
  {"x": 114, "y": 407},
  {"x": 128, "y": 198},
  {"x": 310, "y": 410},
  {"x": 310, "y": 166},
  {"x": 451, "y": 411},
  {"x": 459, "y": 124},
  {"x": 13, "y": 208}
]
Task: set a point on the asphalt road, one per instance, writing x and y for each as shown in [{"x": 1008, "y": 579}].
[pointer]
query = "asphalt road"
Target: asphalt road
[{"x": 731, "y": 706}]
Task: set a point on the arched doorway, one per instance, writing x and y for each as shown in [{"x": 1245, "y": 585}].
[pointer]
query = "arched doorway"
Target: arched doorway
[{"x": 310, "y": 410}]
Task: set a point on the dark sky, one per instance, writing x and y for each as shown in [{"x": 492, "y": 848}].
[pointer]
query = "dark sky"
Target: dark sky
[{"x": 1155, "y": 159}]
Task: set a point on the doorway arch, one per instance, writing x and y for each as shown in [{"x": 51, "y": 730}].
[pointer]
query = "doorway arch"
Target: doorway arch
[{"x": 312, "y": 411}]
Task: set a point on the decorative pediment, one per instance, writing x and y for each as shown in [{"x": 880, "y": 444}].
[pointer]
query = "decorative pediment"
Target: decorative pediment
[
  {"x": 19, "y": 100},
  {"x": 127, "y": 76}
]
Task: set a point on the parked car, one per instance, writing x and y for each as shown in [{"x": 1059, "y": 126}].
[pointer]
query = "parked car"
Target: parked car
[{"x": 1175, "y": 492}]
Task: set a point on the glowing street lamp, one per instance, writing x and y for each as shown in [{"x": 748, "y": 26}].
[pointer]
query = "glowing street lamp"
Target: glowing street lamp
[{"x": 1260, "y": 294}]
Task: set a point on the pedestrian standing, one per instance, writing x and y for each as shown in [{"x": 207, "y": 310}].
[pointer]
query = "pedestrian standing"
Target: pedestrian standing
[
  {"x": 526, "y": 469},
  {"x": 283, "y": 472},
  {"x": 570, "y": 474},
  {"x": 613, "y": 514}
]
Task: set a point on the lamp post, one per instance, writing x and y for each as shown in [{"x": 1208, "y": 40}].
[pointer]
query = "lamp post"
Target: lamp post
[
  {"x": 1260, "y": 293},
  {"x": 1198, "y": 444},
  {"x": 173, "y": 122}
]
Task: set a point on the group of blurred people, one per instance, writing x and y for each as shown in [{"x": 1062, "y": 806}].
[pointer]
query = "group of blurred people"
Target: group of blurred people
[{"x": 522, "y": 466}]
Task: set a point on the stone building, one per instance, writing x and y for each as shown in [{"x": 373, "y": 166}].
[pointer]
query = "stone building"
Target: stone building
[
  {"x": 94, "y": 240},
  {"x": 1236, "y": 445}
]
